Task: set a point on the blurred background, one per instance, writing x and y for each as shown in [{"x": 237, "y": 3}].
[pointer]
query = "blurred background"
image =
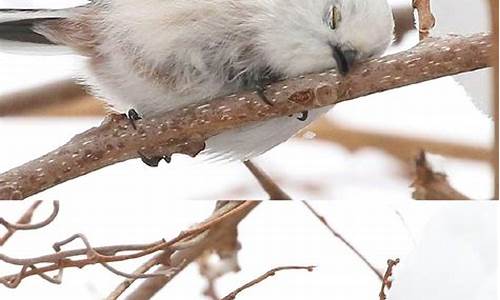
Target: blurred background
[{"x": 361, "y": 149}]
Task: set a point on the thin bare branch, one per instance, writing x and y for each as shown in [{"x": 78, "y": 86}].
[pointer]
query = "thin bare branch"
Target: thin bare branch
[
  {"x": 430, "y": 185},
  {"x": 161, "y": 258},
  {"x": 149, "y": 287},
  {"x": 272, "y": 189},
  {"x": 426, "y": 20},
  {"x": 341, "y": 238},
  {"x": 20, "y": 226},
  {"x": 263, "y": 277},
  {"x": 62, "y": 260},
  {"x": 24, "y": 219},
  {"x": 387, "y": 281},
  {"x": 185, "y": 130}
]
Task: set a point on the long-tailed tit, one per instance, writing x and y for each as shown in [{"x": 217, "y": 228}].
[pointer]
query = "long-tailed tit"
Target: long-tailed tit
[{"x": 157, "y": 55}]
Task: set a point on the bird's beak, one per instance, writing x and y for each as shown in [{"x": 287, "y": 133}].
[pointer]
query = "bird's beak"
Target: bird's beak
[{"x": 344, "y": 58}]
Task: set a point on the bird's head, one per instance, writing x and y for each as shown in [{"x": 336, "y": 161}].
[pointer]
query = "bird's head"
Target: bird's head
[{"x": 314, "y": 35}]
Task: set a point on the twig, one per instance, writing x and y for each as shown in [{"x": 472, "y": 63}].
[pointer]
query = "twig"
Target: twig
[
  {"x": 263, "y": 277},
  {"x": 104, "y": 255},
  {"x": 24, "y": 222},
  {"x": 24, "y": 219},
  {"x": 387, "y": 281},
  {"x": 24, "y": 226},
  {"x": 430, "y": 185},
  {"x": 149, "y": 287},
  {"x": 186, "y": 130},
  {"x": 157, "y": 259},
  {"x": 341, "y": 238},
  {"x": 272, "y": 189},
  {"x": 426, "y": 20}
]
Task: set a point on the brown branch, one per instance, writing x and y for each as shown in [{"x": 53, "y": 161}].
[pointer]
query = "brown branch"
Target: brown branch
[
  {"x": 24, "y": 219},
  {"x": 277, "y": 193},
  {"x": 404, "y": 148},
  {"x": 387, "y": 281},
  {"x": 494, "y": 60},
  {"x": 180, "y": 259},
  {"x": 263, "y": 277},
  {"x": 430, "y": 185},
  {"x": 426, "y": 20},
  {"x": 24, "y": 222},
  {"x": 42, "y": 98},
  {"x": 24, "y": 226},
  {"x": 343, "y": 240},
  {"x": 103, "y": 255},
  {"x": 185, "y": 130},
  {"x": 271, "y": 188}
]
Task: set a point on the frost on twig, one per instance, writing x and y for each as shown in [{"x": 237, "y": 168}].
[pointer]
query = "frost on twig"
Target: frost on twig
[{"x": 185, "y": 130}]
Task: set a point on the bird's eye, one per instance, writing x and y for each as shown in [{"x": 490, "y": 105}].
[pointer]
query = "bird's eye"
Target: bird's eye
[{"x": 334, "y": 17}]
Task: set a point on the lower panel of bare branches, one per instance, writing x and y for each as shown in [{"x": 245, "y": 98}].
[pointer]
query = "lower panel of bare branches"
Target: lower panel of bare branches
[{"x": 248, "y": 250}]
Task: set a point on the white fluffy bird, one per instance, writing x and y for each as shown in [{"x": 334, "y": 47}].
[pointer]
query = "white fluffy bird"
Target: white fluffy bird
[{"x": 153, "y": 56}]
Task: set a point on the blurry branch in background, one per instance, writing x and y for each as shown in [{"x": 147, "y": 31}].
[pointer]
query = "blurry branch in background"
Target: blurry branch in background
[
  {"x": 404, "y": 22},
  {"x": 263, "y": 277},
  {"x": 430, "y": 185},
  {"x": 24, "y": 221},
  {"x": 47, "y": 99},
  {"x": 426, "y": 20},
  {"x": 402, "y": 147},
  {"x": 174, "y": 255},
  {"x": 185, "y": 130},
  {"x": 271, "y": 188},
  {"x": 275, "y": 192},
  {"x": 494, "y": 55},
  {"x": 387, "y": 280}
]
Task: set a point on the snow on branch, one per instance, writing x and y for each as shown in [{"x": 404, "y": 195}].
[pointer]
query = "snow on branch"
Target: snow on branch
[{"x": 185, "y": 130}]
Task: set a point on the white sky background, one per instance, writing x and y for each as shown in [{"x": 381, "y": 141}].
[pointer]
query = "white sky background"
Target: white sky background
[{"x": 441, "y": 246}]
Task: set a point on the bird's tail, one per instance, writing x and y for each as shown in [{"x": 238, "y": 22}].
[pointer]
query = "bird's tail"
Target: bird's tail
[{"x": 35, "y": 31}]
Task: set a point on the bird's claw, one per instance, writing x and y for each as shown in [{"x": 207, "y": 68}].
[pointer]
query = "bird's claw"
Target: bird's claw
[
  {"x": 133, "y": 116},
  {"x": 155, "y": 160},
  {"x": 304, "y": 115},
  {"x": 260, "y": 92}
]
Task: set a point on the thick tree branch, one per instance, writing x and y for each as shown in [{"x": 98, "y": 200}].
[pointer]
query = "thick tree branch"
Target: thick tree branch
[{"x": 185, "y": 130}]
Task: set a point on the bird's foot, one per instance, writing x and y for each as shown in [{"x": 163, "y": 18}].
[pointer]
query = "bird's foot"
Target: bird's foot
[
  {"x": 259, "y": 87},
  {"x": 304, "y": 115},
  {"x": 155, "y": 160},
  {"x": 133, "y": 116}
]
